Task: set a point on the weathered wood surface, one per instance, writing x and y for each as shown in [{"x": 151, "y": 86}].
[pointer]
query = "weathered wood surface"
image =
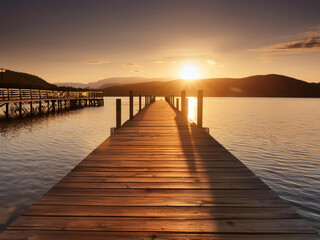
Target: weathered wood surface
[{"x": 160, "y": 177}]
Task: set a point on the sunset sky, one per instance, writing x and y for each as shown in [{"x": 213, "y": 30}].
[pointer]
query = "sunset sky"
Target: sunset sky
[{"x": 84, "y": 41}]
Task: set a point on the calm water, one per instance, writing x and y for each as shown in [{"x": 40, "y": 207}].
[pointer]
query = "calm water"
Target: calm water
[{"x": 277, "y": 138}]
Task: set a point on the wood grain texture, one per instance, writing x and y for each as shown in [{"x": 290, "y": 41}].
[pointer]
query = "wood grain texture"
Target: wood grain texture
[{"x": 160, "y": 177}]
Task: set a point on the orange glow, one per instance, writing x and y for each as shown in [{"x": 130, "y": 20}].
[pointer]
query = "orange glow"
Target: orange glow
[
  {"x": 190, "y": 72},
  {"x": 192, "y": 108}
]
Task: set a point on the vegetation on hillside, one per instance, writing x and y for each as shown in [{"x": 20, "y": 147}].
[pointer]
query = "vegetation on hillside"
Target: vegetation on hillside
[{"x": 12, "y": 79}]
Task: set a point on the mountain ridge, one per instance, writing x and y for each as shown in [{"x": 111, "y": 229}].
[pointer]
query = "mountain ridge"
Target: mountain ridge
[
  {"x": 270, "y": 85},
  {"x": 108, "y": 82}
]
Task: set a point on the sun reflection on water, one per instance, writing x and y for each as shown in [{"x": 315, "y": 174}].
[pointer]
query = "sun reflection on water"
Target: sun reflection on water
[{"x": 192, "y": 108}]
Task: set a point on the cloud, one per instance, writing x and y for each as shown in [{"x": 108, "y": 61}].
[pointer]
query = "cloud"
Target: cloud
[
  {"x": 136, "y": 71},
  {"x": 96, "y": 62},
  {"x": 158, "y": 61},
  {"x": 211, "y": 62},
  {"x": 130, "y": 65},
  {"x": 309, "y": 40},
  {"x": 308, "y": 43}
]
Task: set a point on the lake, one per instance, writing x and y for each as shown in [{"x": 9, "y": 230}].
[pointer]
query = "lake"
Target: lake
[{"x": 277, "y": 138}]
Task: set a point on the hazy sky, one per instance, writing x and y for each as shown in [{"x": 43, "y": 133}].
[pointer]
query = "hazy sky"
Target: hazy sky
[{"x": 83, "y": 41}]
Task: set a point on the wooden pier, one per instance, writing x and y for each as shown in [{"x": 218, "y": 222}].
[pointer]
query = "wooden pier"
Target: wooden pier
[
  {"x": 40, "y": 101},
  {"x": 160, "y": 177}
]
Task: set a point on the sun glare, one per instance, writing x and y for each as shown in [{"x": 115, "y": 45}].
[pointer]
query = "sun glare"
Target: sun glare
[{"x": 190, "y": 72}]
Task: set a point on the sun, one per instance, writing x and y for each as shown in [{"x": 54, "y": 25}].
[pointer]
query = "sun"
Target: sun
[{"x": 189, "y": 72}]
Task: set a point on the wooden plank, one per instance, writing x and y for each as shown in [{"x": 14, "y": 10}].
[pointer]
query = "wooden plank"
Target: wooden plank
[
  {"x": 152, "y": 163},
  {"x": 161, "y": 201},
  {"x": 161, "y": 179},
  {"x": 162, "y": 225},
  {"x": 163, "y": 212},
  {"x": 256, "y": 194},
  {"x": 161, "y": 169},
  {"x": 124, "y": 235},
  {"x": 180, "y": 174},
  {"x": 166, "y": 185}
]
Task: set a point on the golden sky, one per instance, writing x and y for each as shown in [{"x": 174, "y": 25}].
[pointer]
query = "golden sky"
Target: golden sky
[{"x": 84, "y": 41}]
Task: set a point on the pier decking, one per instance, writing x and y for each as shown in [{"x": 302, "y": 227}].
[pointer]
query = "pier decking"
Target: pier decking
[{"x": 160, "y": 177}]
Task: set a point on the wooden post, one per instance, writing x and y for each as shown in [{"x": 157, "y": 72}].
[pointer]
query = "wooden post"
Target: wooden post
[
  {"x": 139, "y": 102},
  {"x": 183, "y": 102},
  {"x": 187, "y": 107},
  {"x": 131, "y": 104},
  {"x": 40, "y": 107},
  {"x": 7, "y": 110},
  {"x": 20, "y": 109},
  {"x": 31, "y": 108},
  {"x": 177, "y": 104},
  {"x": 200, "y": 108},
  {"x": 118, "y": 113}
]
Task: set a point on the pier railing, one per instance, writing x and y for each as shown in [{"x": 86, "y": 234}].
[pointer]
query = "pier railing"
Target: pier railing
[
  {"x": 148, "y": 99},
  {"x": 15, "y": 100},
  {"x": 8, "y": 94},
  {"x": 184, "y": 105}
]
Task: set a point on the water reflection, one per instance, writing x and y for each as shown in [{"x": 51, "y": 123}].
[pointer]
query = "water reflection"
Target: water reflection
[
  {"x": 192, "y": 108},
  {"x": 277, "y": 138},
  {"x": 35, "y": 153}
]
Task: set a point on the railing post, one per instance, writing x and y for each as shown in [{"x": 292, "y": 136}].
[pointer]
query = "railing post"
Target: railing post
[
  {"x": 183, "y": 102},
  {"x": 139, "y": 102},
  {"x": 187, "y": 108},
  {"x": 118, "y": 113},
  {"x": 200, "y": 108},
  {"x": 177, "y": 104},
  {"x": 7, "y": 110},
  {"x": 131, "y": 103},
  {"x": 20, "y": 109}
]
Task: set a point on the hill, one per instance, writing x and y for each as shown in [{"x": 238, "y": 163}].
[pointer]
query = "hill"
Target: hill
[
  {"x": 109, "y": 82},
  {"x": 12, "y": 79},
  {"x": 271, "y": 85}
]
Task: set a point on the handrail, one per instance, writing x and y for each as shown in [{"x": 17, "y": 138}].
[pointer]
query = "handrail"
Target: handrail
[{"x": 10, "y": 94}]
